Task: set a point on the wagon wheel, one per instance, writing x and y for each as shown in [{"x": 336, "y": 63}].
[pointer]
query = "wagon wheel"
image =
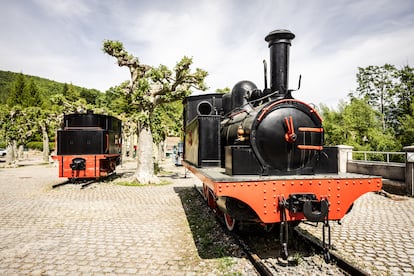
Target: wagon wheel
[{"x": 230, "y": 222}]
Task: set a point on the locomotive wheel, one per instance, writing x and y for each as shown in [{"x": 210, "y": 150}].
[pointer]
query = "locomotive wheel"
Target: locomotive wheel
[
  {"x": 211, "y": 201},
  {"x": 230, "y": 222},
  {"x": 205, "y": 192}
]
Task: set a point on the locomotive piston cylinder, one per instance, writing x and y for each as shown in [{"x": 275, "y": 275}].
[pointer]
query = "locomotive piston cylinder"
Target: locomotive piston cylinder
[{"x": 279, "y": 44}]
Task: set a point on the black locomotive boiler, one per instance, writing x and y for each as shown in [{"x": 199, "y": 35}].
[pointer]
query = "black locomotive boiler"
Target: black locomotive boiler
[
  {"x": 88, "y": 146},
  {"x": 261, "y": 156}
]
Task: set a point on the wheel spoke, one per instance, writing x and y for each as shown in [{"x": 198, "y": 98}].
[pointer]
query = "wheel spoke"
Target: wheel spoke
[{"x": 230, "y": 222}]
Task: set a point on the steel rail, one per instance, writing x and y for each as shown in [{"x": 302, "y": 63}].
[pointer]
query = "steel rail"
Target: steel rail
[{"x": 343, "y": 264}]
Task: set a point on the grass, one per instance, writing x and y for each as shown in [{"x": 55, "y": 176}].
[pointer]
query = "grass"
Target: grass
[
  {"x": 137, "y": 184},
  {"x": 225, "y": 264}
]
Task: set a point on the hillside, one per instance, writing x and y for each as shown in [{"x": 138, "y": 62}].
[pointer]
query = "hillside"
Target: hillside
[{"x": 45, "y": 86}]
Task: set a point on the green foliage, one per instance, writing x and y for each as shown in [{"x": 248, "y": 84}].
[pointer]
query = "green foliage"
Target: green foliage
[
  {"x": 36, "y": 145},
  {"x": 12, "y": 86},
  {"x": 90, "y": 95},
  {"x": 6, "y": 80},
  {"x": 224, "y": 90},
  {"x": 16, "y": 93},
  {"x": 31, "y": 95},
  {"x": 333, "y": 127},
  {"x": 357, "y": 124},
  {"x": 407, "y": 126},
  {"x": 390, "y": 91},
  {"x": 14, "y": 125},
  {"x": 167, "y": 121},
  {"x": 152, "y": 86}
]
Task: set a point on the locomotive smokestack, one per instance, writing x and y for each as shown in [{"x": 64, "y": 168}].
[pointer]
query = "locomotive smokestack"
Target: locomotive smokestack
[{"x": 279, "y": 43}]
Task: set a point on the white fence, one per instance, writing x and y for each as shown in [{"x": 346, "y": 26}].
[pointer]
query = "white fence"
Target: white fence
[{"x": 378, "y": 156}]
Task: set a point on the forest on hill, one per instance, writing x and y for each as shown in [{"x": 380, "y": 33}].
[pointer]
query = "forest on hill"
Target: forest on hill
[{"x": 41, "y": 87}]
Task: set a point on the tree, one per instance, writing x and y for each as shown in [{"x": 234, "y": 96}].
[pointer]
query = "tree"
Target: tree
[
  {"x": 357, "y": 124},
  {"x": 224, "y": 90},
  {"x": 150, "y": 87},
  {"x": 42, "y": 120},
  {"x": 167, "y": 121},
  {"x": 31, "y": 95},
  {"x": 404, "y": 94},
  {"x": 15, "y": 96},
  {"x": 90, "y": 95},
  {"x": 407, "y": 135},
  {"x": 16, "y": 127},
  {"x": 333, "y": 125},
  {"x": 376, "y": 86},
  {"x": 391, "y": 92}
]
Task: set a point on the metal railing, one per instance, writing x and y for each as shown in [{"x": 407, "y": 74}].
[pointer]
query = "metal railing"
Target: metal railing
[{"x": 379, "y": 156}]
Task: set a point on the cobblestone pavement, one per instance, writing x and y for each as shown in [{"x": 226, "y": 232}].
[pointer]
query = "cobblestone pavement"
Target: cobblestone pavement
[
  {"x": 105, "y": 229},
  {"x": 377, "y": 235},
  {"x": 109, "y": 229}
]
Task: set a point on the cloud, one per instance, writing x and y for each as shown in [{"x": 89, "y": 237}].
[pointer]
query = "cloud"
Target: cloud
[
  {"x": 63, "y": 8},
  {"x": 62, "y": 40},
  {"x": 329, "y": 78}
]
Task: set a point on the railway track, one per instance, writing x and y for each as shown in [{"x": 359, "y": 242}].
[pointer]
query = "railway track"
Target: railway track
[
  {"x": 306, "y": 258},
  {"x": 83, "y": 184}
]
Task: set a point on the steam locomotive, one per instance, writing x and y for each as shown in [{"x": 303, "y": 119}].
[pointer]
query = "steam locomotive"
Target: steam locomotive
[
  {"x": 88, "y": 146},
  {"x": 261, "y": 156}
]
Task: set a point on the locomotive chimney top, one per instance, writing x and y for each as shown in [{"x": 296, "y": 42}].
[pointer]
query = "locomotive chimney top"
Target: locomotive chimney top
[
  {"x": 279, "y": 43},
  {"x": 278, "y": 36}
]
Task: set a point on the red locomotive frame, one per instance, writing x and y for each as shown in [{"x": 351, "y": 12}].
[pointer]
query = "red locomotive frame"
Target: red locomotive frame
[
  {"x": 97, "y": 166},
  {"x": 263, "y": 194}
]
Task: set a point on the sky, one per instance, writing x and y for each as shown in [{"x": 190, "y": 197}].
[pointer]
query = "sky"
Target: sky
[{"x": 62, "y": 39}]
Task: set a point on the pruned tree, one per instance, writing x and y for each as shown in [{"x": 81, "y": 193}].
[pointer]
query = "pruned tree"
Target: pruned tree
[
  {"x": 16, "y": 127},
  {"x": 42, "y": 120},
  {"x": 150, "y": 87}
]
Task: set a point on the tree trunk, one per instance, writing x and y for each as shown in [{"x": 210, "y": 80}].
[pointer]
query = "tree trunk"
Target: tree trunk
[
  {"x": 124, "y": 145},
  {"x": 45, "y": 144},
  {"x": 10, "y": 158},
  {"x": 145, "y": 163},
  {"x": 15, "y": 151},
  {"x": 161, "y": 152},
  {"x": 20, "y": 152},
  {"x": 132, "y": 153}
]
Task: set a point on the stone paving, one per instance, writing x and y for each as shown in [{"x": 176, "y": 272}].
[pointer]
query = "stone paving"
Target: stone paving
[
  {"x": 377, "y": 235},
  {"x": 105, "y": 229}
]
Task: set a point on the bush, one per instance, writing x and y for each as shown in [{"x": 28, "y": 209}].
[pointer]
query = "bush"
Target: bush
[{"x": 35, "y": 145}]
